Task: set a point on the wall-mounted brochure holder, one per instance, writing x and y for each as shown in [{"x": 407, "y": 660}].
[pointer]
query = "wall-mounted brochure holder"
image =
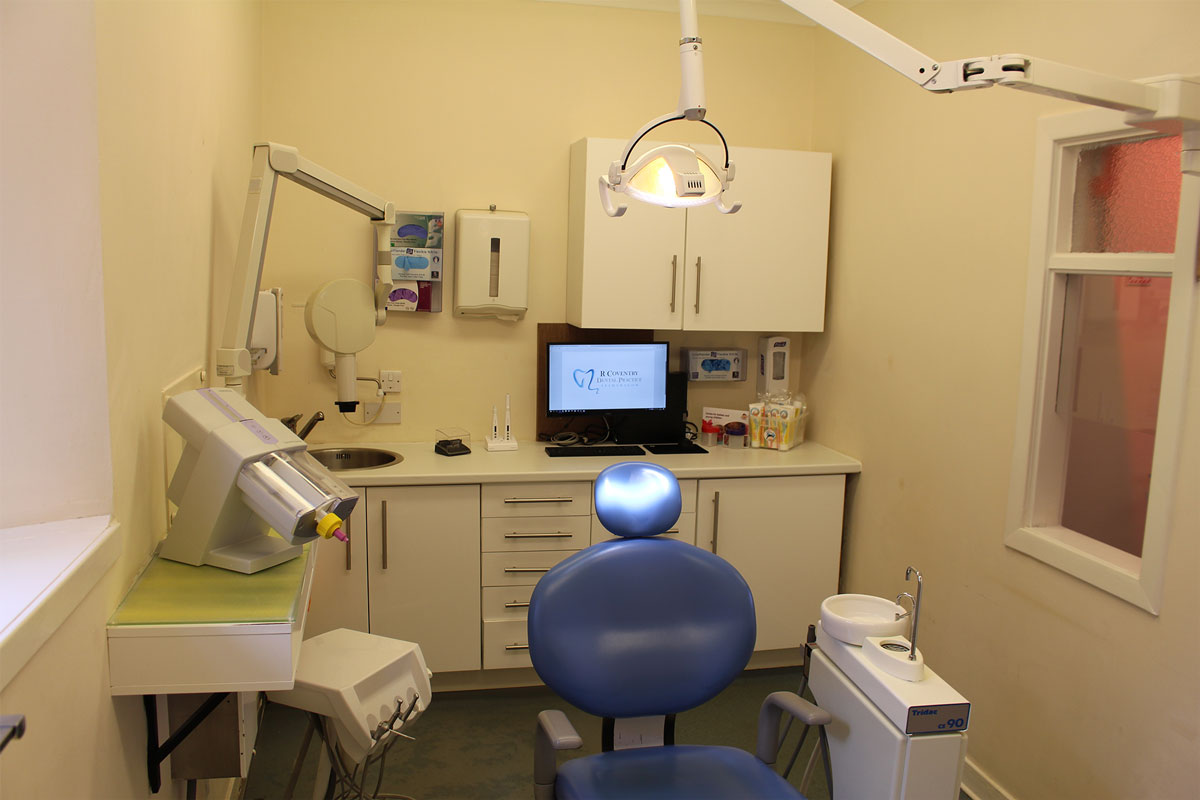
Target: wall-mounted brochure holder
[{"x": 417, "y": 261}]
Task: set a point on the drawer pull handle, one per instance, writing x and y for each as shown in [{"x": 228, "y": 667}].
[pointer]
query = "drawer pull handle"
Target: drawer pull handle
[
  {"x": 554, "y": 535},
  {"x": 516, "y": 605},
  {"x": 539, "y": 499},
  {"x": 526, "y": 569},
  {"x": 516, "y": 647}
]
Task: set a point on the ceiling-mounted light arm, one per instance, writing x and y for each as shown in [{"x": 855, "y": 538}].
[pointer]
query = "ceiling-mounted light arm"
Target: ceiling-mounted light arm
[
  {"x": 270, "y": 162},
  {"x": 683, "y": 177},
  {"x": 1013, "y": 70}
]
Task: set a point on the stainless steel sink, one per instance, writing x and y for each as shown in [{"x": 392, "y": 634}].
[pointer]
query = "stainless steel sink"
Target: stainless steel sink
[{"x": 343, "y": 458}]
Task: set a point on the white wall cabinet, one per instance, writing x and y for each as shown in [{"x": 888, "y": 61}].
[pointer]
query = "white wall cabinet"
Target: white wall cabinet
[
  {"x": 784, "y": 535},
  {"x": 762, "y": 268}
]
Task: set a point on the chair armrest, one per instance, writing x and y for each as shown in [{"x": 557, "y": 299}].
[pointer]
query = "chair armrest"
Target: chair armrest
[
  {"x": 554, "y": 732},
  {"x": 770, "y": 714}
]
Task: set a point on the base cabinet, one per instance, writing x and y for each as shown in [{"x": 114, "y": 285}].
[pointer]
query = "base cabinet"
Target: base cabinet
[
  {"x": 452, "y": 567},
  {"x": 785, "y": 536},
  {"x": 409, "y": 571}
]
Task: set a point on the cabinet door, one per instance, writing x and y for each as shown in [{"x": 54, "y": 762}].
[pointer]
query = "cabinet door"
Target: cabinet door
[
  {"x": 763, "y": 268},
  {"x": 622, "y": 272},
  {"x": 784, "y": 535},
  {"x": 423, "y": 570},
  {"x": 339, "y": 591}
]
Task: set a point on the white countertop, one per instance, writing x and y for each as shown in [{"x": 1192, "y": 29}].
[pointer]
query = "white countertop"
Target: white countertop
[{"x": 422, "y": 466}]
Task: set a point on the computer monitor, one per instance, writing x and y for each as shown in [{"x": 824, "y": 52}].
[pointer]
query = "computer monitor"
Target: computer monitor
[{"x": 605, "y": 378}]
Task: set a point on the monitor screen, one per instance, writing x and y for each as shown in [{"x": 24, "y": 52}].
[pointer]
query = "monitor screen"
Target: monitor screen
[{"x": 606, "y": 378}]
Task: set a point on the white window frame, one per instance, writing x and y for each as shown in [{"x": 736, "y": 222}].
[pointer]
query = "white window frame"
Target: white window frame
[{"x": 1039, "y": 460}]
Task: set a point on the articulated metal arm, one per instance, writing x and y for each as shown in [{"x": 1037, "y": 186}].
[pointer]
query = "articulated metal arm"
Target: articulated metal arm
[
  {"x": 271, "y": 161},
  {"x": 1012, "y": 70}
]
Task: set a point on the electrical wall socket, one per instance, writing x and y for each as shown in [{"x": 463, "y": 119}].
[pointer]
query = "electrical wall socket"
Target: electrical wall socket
[
  {"x": 389, "y": 380},
  {"x": 390, "y": 415}
]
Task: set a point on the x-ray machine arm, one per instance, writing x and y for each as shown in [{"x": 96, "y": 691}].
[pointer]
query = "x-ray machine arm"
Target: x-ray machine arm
[{"x": 271, "y": 161}]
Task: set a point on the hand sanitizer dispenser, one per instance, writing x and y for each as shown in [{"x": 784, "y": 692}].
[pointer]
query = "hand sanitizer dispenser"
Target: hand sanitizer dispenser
[{"x": 491, "y": 264}]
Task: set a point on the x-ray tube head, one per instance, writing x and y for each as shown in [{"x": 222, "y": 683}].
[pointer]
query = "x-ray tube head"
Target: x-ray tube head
[{"x": 340, "y": 316}]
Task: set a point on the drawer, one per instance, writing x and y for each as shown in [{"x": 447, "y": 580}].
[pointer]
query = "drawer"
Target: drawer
[
  {"x": 505, "y": 644},
  {"x": 684, "y": 529},
  {"x": 518, "y": 569},
  {"x": 506, "y": 602},
  {"x": 534, "y": 533},
  {"x": 536, "y": 499}
]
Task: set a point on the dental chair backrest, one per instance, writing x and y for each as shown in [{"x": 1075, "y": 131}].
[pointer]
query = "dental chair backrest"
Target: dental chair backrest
[{"x": 640, "y": 626}]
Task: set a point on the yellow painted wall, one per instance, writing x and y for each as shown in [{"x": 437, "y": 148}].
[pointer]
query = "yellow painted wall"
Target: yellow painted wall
[
  {"x": 178, "y": 87},
  {"x": 462, "y": 104},
  {"x": 1076, "y": 694}
]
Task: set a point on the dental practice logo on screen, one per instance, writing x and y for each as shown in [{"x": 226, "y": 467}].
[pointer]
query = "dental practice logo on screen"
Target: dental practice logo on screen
[{"x": 594, "y": 380}]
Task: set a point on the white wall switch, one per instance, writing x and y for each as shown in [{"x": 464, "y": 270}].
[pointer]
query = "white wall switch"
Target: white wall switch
[
  {"x": 389, "y": 415},
  {"x": 389, "y": 380}
]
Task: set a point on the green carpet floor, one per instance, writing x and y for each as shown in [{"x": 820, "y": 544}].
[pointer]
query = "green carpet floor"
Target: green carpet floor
[{"x": 477, "y": 745}]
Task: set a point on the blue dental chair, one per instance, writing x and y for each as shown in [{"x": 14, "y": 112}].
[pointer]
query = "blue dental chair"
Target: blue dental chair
[{"x": 635, "y": 631}]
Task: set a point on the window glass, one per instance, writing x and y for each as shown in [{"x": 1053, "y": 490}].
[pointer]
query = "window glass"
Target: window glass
[
  {"x": 1127, "y": 196},
  {"x": 1109, "y": 385}
]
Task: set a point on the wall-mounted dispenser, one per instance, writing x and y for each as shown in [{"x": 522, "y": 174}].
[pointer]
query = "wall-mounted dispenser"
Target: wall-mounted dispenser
[
  {"x": 774, "y": 353},
  {"x": 491, "y": 263}
]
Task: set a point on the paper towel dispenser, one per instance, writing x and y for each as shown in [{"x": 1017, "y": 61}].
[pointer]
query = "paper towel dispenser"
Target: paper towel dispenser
[{"x": 491, "y": 263}]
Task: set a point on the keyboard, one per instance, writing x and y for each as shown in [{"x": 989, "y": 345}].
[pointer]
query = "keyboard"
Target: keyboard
[{"x": 595, "y": 450}]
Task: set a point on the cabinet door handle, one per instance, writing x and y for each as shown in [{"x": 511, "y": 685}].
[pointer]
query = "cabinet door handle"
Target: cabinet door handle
[
  {"x": 517, "y": 605},
  {"x": 553, "y": 535},
  {"x": 539, "y": 499},
  {"x": 697, "y": 284},
  {"x": 384, "y": 534},
  {"x": 349, "y": 539},
  {"x": 525, "y": 569},
  {"x": 516, "y": 647},
  {"x": 674, "y": 275},
  {"x": 716, "y": 518}
]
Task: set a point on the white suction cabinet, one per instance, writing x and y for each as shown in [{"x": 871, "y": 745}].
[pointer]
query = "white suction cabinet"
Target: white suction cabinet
[
  {"x": 339, "y": 597},
  {"x": 762, "y": 268},
  {"x": 784, "y": 535}
]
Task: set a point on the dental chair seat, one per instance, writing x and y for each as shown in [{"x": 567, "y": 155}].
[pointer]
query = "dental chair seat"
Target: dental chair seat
[{"x": 678, "y": 772}]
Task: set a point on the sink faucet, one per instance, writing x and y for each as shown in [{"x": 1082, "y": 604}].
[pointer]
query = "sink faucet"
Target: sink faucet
[
  {"x": 312, "y": 423},
  {"x": 291, "y": 422},
  {"x": 916, "y": 611}
]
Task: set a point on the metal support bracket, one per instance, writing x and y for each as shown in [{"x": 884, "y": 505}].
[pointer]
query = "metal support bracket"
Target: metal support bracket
[{"x": 156, "y": 753}]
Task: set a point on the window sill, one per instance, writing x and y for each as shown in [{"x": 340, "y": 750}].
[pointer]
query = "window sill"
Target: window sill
[
  {"x": 46, "y": 570},
  {"x": 1099, "y": 564}
]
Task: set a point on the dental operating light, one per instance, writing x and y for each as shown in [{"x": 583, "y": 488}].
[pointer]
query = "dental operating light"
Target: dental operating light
[
  {"x": 679, "y": 176},
  {"x": 674, "y": 175}
]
